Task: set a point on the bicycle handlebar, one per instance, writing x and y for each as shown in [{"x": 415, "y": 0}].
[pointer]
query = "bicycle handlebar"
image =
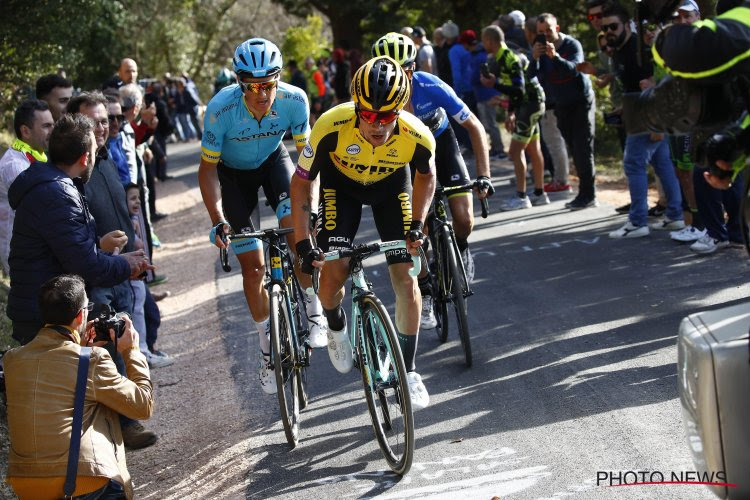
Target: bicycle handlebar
[
  {"x": 263, "y": 234},
  {"x": 449, "y": 189},
  {"x": 364, "y": 251}
]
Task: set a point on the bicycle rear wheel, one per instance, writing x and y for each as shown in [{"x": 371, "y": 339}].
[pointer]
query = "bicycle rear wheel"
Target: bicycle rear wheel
[
  {"x": 385, "y": 384},
  {"x": 457, "y": 284},
  {"x": 285, "y": 364},
  {"x": 439, "y": 272}
]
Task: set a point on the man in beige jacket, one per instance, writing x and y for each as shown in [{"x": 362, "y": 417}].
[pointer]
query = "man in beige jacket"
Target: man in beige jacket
[{"x": 41, "y": 382}]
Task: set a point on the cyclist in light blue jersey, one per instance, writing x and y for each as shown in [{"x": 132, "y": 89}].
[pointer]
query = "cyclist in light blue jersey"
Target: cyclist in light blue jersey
[
  {"x": 242, "y": 151},
  {"x": 432, "y": 100}
]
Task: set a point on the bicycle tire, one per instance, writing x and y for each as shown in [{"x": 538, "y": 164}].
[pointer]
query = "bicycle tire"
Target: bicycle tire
[
  {"x": 302, "y": 350},
  {"x": 284, "y": 364},
  {"x": 388, "y": 400},
  {"x": 458, "y": 297},
  {"x": 439, "y": 288}
]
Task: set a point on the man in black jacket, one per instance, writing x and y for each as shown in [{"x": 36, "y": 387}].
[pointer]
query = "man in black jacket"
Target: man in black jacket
[
  {"x": 106, "y": 197},
  {"x": 54, "y": 232}
]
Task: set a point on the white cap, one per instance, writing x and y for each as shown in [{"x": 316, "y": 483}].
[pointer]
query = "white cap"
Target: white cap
[
  {"x": 518, "y": 17},
  {"x": 450, "y": 30},
  {"x": 689, "y": 5}
]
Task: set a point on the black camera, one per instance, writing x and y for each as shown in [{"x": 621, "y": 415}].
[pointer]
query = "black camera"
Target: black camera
[
  {"x": 106, "y": 319},
  {"x": 485, "y": 69}
]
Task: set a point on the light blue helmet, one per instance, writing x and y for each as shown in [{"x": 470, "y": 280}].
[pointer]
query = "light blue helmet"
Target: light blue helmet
[{"x": 258, "y": 58}]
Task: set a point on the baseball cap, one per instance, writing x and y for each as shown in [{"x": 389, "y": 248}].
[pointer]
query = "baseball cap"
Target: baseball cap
[
  {"x": 467, "y": 36},
  {"x": 450, "y": 29},
  {"x": 518, "y": 17},
  {"x": 418, "y": 31},
  {"x": 689, "y": 5}
]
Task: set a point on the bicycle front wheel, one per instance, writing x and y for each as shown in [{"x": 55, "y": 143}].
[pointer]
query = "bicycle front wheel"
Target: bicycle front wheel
[
  {"x": 385, "y": 384},
  {"x": 284, "y": 364},
  {"x": 457, "y": 284}
]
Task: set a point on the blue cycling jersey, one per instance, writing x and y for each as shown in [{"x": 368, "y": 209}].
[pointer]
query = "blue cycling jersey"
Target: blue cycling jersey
[
  {"x": 432, "y": 98},
  {"x": 232, "y": 134}
]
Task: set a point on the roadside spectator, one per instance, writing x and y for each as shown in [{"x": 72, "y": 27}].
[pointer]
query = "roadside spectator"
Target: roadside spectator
[
  {"x": 555, "y": 64},
  {"x": 514, "y": 36},
  {"x": 316, "y": 88},
  {"x": 114, "y": 139},
  {"x": 41, "y": 385},
  {"x": 426, "y": 57},
  {"x": 126, "y": 73},
  {"x": 450, "y": 32},
  {"x": 223, "y": 79},
  {"x": 487, "y": 99},
  {"x": 56, "y": 91},
  {"x": 185, "y": 104},
  {"x": 296, "y": 76},
  {"x": 342, "y": 76},
  {"x": 594, "y": 10},
  {"x": 641, "y": 149},
  {"x": 164, "y": 129},
  {"x": 192, "y": 89},
  {"x": 33, "y": 125},
  {"x": 460, "y": 59},
  {"x": 55, "y": 232}
]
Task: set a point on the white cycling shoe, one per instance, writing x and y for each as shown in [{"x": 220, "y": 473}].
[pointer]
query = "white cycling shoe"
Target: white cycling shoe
[
  {"x": 318, "y": 329},
  {"x": 340, "y": 350},
  {"x": 420, "y": 399},
  {"x": 266, "y": 374}
]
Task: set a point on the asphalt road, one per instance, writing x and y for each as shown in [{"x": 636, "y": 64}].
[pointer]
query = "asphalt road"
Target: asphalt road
[{"x": 574, "y": 338}]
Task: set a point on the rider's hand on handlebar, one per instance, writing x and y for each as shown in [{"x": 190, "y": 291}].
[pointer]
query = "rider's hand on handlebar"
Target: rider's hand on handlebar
[
  {"x": 309, "y": 256},
  {"x": 414, "y": 237},
  {"x": 221, "y": 229},
  {"x": 483, "y": 187}
]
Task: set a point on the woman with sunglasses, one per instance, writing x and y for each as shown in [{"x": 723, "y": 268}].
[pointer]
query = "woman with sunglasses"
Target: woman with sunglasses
[
  {"x": 363, "y": 152},
  {"x": 241, "y": 152}
]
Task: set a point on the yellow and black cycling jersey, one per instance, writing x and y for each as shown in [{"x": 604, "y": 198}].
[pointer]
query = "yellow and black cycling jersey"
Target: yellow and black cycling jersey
[{"x": 336, "y": 141}]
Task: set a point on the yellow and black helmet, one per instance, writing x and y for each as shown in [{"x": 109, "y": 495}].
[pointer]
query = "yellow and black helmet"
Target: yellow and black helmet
[
  {"x": 381, "y": 84},
  {"x": 398, "y": 47}
]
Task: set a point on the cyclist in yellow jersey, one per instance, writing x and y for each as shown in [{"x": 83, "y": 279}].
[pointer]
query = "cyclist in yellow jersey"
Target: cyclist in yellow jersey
[{"x": 363, "y": 151}]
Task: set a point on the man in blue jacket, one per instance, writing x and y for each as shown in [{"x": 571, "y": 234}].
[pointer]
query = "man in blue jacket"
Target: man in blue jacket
[{"x": 54, "y": 232}]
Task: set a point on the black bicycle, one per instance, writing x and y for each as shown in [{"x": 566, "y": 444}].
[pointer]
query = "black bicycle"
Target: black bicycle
[
  {"x": 450, "y": 285},
  {"x": 290, "y": 351}
]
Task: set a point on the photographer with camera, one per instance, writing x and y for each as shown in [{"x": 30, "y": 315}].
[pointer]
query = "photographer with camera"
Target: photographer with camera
[{"x": 41, "y": 383}]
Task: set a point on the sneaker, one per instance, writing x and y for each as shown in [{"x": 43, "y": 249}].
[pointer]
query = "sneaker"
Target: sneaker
[
  {"x": 420, "y": 399},
  {"x": 469, "y": 266},
  {"x": 158, "y": 280},
  {"x": 155, "y": 240},
  {"x": 157, "y": 352},
  {"x": 557, "y": 187},
  {"x": 515, "y": 203},
  {"x": 579, "y": 203},
  {"x": 155, "y": 361},
  {"x": 340, "y": 350},
  {"x": 706, "y": 244},
  {"x": 623, "y": 209},
  {"x": 266, "y": 374},
  {"x": 688, "y": 235},
  {"x": 317, "y": 337},
  {"x": 160, "y": 295},
  {"x": 630, "y": 231},
  {"x": 657, "y": 211},
  {"x": 667, "y": 223},
  {"x": 427, "y": 320},
  {"x": 135, "y": 436},
  {"x": 537, "y": 201}
]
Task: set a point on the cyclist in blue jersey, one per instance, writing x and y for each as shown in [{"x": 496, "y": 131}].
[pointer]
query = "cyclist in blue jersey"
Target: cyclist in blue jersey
[
  {"x": 432, "y": 100},
  {"x": 242, "y": 151}
]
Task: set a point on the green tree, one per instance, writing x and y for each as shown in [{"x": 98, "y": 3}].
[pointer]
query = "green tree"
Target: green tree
[{"x": 306, "y": 40}]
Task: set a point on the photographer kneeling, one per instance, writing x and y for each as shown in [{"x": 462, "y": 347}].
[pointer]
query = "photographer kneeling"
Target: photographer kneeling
[{"x": 41, "y": 385}]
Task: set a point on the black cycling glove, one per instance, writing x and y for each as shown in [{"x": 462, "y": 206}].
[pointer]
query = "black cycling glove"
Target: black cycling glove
[
  {"x": 484, "y": 184},
  {"x": 415, "y": 231},
  {"x": 307, "y": 254}
]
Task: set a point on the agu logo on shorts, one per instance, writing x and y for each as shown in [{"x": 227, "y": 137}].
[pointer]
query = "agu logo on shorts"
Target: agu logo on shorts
[
  {"x": 353, "y": 149},
  {"x": 308, "y": 151}
]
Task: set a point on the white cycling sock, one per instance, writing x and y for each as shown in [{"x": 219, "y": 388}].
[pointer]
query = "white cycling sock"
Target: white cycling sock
[
  {"x": 265, "y": 342},
  {"x": 313, "y": 307}
]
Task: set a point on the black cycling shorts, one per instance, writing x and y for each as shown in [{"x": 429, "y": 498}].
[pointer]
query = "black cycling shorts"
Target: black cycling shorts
[
  {"x": 450, "y": 165},
  {"x": 239, "y": 188},
  {"x": 527, "y": 121},
  {"x": 340, "y": 210}
]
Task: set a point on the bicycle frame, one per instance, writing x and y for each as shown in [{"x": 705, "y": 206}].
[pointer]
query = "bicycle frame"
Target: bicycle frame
[{"x": 438, "y": 219}]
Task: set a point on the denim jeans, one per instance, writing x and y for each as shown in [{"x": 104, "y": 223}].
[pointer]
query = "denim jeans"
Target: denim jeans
[
  {"x": 487, "y": 114},
  {"x": 553, "y": 139},
  {"x": 139, "y": 316},
  {"x": 640, "y": 150}
]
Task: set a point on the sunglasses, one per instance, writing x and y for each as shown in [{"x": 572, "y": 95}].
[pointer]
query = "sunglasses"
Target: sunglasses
[
  {"x": 651, "y": 27},
  {"x": 591, "y": 17},
  {"x": 256, "y": 88},
  {"x": 610, "y": 27},
  {"x": 371, "y": 117},
  {"x": 119, "y": 118},
  {"x": 89, "y": 306}
]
